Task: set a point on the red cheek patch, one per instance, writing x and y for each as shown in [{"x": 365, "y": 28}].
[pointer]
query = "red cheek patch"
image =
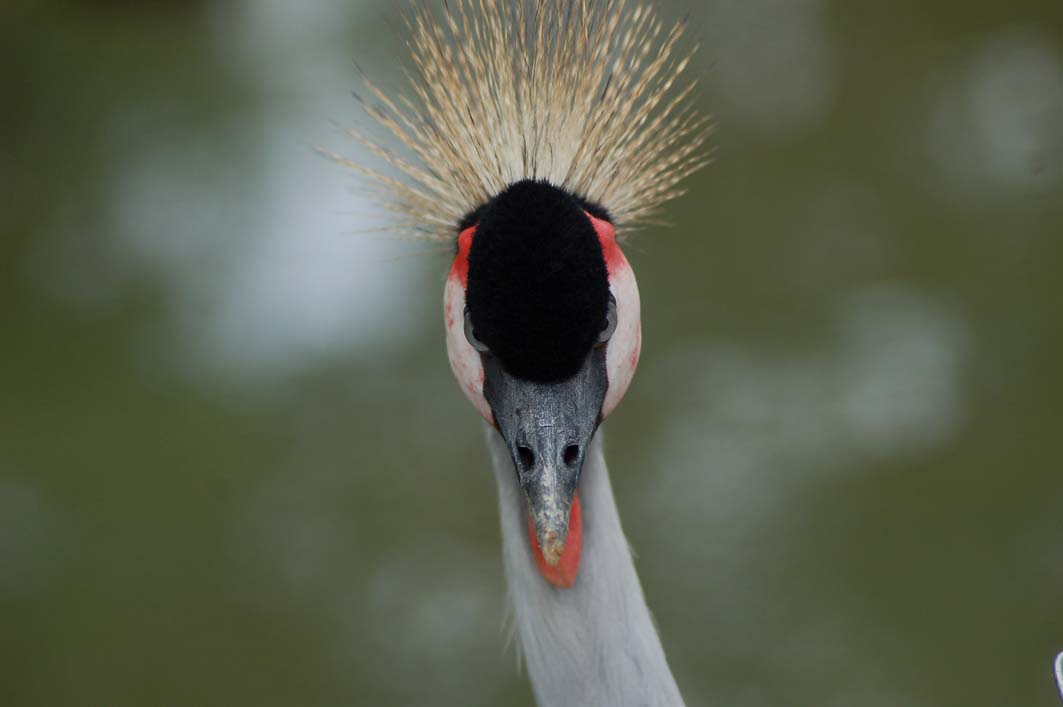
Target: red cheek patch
[
  {"x": 460, "y": 268},
  {"x": 564, "y": 574},
  {"x": 607, "y": 238}
]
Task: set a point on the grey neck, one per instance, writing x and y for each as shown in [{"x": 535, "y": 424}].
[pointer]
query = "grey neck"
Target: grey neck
[{"x": 593, "y": 645}]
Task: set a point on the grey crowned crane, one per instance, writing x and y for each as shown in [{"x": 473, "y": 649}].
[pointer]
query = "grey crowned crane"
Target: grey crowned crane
[{"x": 536, "y": 133}]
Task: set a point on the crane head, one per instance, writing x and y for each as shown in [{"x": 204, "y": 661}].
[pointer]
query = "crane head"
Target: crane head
[{"x": 543, "y": 335}]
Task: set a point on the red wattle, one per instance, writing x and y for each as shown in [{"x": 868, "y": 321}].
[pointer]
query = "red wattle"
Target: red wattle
[{"x": 564, "y": 574}]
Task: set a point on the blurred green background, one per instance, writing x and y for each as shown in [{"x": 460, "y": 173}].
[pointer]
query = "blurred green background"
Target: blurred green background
[{"x": 234, "y": 466}]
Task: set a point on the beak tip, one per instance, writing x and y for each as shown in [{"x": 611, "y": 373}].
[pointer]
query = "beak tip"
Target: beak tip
[{"x": 552, "y": 547}]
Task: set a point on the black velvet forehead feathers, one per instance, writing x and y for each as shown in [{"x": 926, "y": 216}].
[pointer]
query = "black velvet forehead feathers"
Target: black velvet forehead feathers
[{"x": 538, "y": 288}]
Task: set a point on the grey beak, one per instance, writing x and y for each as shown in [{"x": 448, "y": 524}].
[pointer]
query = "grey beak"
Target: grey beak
[{"x": 547, "y": 428}]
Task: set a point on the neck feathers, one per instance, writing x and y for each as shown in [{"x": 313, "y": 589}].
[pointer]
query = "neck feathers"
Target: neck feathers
[{"x": 595, "y": 644}]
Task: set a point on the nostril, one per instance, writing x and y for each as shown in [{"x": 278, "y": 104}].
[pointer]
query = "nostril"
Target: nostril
[
  {"x": 571, "y": 454},
  {"x": 527, "y": 458}
]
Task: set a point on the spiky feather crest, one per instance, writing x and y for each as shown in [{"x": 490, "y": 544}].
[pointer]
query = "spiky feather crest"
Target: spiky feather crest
[{"x": 580, "y": 93}]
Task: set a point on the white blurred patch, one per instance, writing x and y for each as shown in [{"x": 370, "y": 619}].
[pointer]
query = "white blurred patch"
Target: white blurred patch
[
  {"x": 290, "y": 533},
  {"x": 898, "y": 372},
  {"x": 294, "y": 286},
  {"x": 423, "y": 616},
  {"x": 28, "y": 538},
  {"x": 995, "y": 128},
  {"x": 438, "y": 593},
  {"x": 874, "y": 697},
  {"x": 252, "y": 234},
  {"x": 769, "y": 64},
  {"x": 751, "y": 426},
  {"x": 256, "y": 29},
  {"x": 435, "y": 624}
]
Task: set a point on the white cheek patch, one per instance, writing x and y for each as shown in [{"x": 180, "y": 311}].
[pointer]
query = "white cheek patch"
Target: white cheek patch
[
  {"x": 622, "y": 354},
  {"x": 464, "y": 359}
]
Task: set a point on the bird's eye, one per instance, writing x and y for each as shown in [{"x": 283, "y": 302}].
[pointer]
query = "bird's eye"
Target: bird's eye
[
  {"x": 609, "y": 325},
  {"x": 470, "y": 335}
]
